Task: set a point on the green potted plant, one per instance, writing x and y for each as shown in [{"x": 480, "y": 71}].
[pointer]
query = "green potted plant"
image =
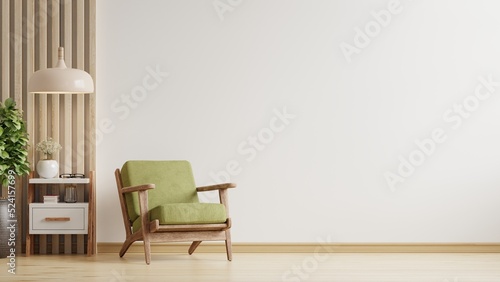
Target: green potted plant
[
  {"x": 13, "y": 142},
  {"x": 48, "y": 168},
  {"x": 13, "y": 160}
]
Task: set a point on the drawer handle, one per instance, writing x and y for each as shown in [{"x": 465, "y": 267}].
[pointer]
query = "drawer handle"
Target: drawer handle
[{"x": 57, "y": 219}]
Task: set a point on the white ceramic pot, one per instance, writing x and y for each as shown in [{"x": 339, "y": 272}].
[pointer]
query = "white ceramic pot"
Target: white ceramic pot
[{"x": 47, "y": 168}]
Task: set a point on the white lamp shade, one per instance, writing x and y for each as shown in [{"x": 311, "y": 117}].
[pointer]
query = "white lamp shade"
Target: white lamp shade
[{"x": 61, "y": 79}]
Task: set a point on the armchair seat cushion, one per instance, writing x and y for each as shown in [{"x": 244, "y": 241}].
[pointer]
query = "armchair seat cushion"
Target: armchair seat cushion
[{"x": 186, "y": 213}]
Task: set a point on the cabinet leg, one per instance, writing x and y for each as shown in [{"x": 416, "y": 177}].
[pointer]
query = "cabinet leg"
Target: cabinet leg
[{"x": 29, "y": 245}]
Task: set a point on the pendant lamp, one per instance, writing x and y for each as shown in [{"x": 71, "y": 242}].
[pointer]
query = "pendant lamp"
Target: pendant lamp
[{"x": 61, "y": 79}]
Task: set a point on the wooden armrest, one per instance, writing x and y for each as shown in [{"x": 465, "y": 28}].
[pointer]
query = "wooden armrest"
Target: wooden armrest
[
  {"x": 215, "y": 187},
  {"x": 137, "y": 188}
]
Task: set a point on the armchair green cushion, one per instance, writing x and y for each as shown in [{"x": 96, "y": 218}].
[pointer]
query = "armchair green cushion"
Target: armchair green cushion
[
  {"x": 186, "y": 213},
  {"x": 174, "y": 183},
  {"x": 189, "y": 213}
]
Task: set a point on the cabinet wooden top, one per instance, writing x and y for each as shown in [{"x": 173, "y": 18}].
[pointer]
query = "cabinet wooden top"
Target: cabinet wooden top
[{"x": 59, "y": 180}]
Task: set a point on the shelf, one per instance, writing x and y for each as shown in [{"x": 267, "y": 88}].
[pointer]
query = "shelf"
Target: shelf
[
  {"x": 58, "y": 205},
  {"x": 59, "y": 180}
]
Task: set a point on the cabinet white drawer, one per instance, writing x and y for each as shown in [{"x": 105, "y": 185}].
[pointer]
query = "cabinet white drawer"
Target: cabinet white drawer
[{"x": 58, "y": 218}]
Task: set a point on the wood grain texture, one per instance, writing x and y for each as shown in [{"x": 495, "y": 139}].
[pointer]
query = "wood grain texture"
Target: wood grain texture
[
  {"x": 5, "y": 58},
  {"x": 17, "y": 80},
  {"x": 54, "y": 101},
  {"x": 57, "y": 219},
  {"x": 216, "y": 187},
  {"x": 41, "y": 61},
  {"x": 311, "y": 267},
  {"x": 91, "y": 243},
  {"x": 5, "y": 50}
]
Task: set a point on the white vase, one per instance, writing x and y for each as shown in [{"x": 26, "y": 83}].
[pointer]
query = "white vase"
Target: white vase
[{"x": 47, "y": 168}]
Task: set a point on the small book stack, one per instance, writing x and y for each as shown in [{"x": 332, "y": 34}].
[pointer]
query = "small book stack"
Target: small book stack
[{"x": 50, "y": 199}]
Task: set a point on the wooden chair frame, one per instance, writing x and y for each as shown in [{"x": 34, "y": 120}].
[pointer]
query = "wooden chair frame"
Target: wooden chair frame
[{"x": 152, "y": 231}]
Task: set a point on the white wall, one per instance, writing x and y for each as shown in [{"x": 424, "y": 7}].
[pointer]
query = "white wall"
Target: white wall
[{"x": 322, "y": 175}]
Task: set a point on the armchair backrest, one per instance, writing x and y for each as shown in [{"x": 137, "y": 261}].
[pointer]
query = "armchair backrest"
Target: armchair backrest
[{"x": 174, "y": 183}]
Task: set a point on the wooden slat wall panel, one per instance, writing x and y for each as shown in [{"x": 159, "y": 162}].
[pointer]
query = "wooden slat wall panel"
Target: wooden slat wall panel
[
  {"x": 79, "y": 137},
  {"x": 29, "y": 102},
  {"x": 31, "y": 32},
  {"x": 54, "y": 98},
  {"x": 16, "y": 54},
  {"x": 90, "y": 117},
  {"x": 16, "y": 68},
  {"x": 4, "y": 59},
  {"x": 41, "y": 19},
  {"x": 68, "y": 105},
  {"x": 5, "y": 55}
]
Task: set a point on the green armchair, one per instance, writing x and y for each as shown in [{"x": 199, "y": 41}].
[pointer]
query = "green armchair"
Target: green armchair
[{"x": 159, "y": 203}]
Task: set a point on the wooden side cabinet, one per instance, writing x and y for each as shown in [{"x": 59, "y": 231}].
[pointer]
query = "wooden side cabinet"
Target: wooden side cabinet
[{"x": 62, "y": 218}]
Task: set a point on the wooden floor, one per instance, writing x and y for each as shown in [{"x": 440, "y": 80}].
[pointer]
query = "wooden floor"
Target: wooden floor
[{"x": 258, "y": 267}]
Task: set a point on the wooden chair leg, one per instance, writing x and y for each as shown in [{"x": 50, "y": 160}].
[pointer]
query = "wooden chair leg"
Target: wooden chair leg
[
  {"x": 193, "y": 247},
  {"x": 147, "y": 249},
  {"x": 128, "y": 242},
  {"x": 229, "y": 251},
  {"x": 125, "y": 246}
]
